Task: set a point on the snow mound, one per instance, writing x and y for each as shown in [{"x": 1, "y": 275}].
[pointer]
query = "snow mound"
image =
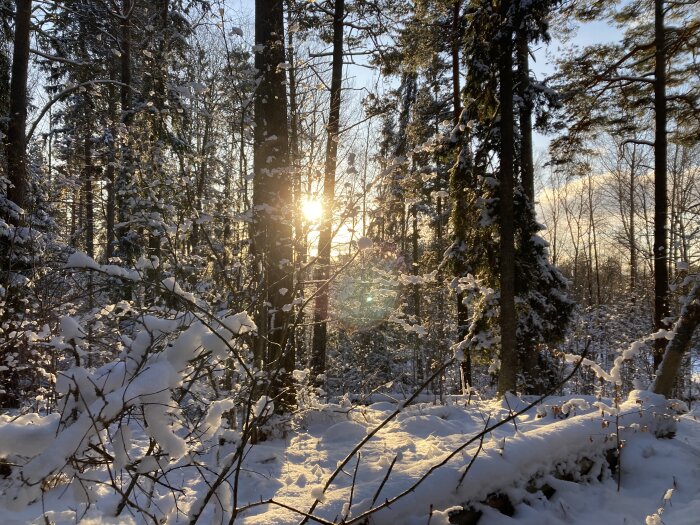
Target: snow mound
[{"x": 343, "y": 432}]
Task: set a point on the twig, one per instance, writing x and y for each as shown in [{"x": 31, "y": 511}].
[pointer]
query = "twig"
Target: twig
[
  {"x": 479, "y": 436},
  {"x": 374, "y": 431},
  {"x": 352, "y": 487},
  {"x": 473, "y": 458},
  {"x": 386, "y": 477}
]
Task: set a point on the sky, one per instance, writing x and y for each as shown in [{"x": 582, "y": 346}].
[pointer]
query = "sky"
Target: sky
[{"x": 545, "y": 56}]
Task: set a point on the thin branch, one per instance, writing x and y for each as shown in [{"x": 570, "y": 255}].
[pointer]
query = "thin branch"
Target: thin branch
[
  {"x": 56, "y": 58},
  {"x": 67, "y": 91},
  {"x": 479, "y": 436},
  {"x": 386, "y": 477},
  {"x": 376, "y": 429}
]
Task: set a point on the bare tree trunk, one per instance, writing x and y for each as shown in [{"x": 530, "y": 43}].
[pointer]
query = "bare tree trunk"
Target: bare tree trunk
[
  {"x": 271, "y": 230},
  {"x": 201, "y": 180},
  {"x": 508, "y": 320},
  {"x": 528, "y": 353},
  {"x": 110, "y": 211},
  {"x": 677, "y": 347},
  {"x": 633, "y": 211},
  {"x": 526, "y": 155},
  {"x": 593, "y": 249},
  {"x": 455, "y": 45},
  {"x": 660, "y": 183},
  {"x": 416, "y": 296},
  {"x": 88, "y": 196},
  {"x": 299, "y": 234},
  {"x": 320, "y": 335},
  {"x": 458, "y": 184},
  {"x": 123, "y": 181},
  {"x": 16, "y": 140},
  {"x": 5, "y": 78}
]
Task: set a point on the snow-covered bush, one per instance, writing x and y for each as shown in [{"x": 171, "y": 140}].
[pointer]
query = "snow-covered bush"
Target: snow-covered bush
[{"x": 180, "y": 384}]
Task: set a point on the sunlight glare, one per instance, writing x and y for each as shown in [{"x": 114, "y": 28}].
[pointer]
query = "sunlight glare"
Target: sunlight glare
[{"x": 312, "y": 209}]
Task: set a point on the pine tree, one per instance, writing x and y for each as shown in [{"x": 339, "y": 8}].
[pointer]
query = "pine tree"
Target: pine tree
[
  {"x": 642, "y": 68},
  {"x": 542, "y": 308}
]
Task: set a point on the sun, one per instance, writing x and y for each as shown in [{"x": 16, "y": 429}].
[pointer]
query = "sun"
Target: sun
[{"x": 312, "y": 209}]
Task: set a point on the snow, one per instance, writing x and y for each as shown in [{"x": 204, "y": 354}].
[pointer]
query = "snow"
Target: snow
[
  {"x": 659, "y": 476},
  {"x": 172, "y": 286},
  {"x": 364, "y": 243},
  {"x": 80, "y": 260},
  {"x": 70, "y": 329},
  {"x": 26, "y": 435}
]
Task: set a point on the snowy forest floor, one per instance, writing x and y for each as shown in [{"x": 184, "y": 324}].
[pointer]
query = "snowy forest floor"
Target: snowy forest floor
[{"x": 538, "y": 462}]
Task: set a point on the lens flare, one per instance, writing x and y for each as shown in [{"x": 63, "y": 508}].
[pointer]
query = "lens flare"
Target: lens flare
[{"x": 312, "y": 209}]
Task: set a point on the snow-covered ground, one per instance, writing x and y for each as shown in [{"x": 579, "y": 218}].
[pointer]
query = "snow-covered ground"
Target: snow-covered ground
[{"x": 543, "y": 450}]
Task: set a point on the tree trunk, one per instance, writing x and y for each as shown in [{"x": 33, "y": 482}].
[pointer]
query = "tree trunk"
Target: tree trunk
[
  {"x": 5, "y": 68},
  {"x": 88, "y": 196},
  {"x": 16, "y": 140},
  {"x": 416, "y": 297},
  {"x": 110, "y": 211},
  {"x": 677, "y": 347},
  {"x": 660, "y": 183},
  {"x": 508, "y": 321},
  {"x": 318, "y": 350},
  {"x": 455, "y": 44},
  {"x": 526, "y": 155},
  {"x": 458, "y": 185},
  {"x": 271, "y": 230},
  {"x": 633, "y": 211},
  {"x": 527, "y": 352},
  {"x": 299, "y": 242},
  {"x": 297, "y": 335},
  {"x": 593, "y": 250},
  {"x": 123, "y": 181}
]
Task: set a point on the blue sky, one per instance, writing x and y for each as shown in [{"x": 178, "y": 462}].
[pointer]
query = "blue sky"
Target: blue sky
[{"x": 546, "y": 55}]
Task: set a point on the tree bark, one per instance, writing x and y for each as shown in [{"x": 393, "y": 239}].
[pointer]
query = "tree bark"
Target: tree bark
[
  {"x": 88, "y": 196},
  {"x": 300, "y": 249},
  {"x": 320, "y": 335},
  {"x": 677, "y": 347},
  {"x": 526, "y": 156},
  {"x": 459, "y": 182},
  {"x": 271, "y": 230},
  {"x": 16, "y": 140},
  {"x": 633, "y": 211},
  {"x": 455, "y": 45},
  {"x": 527, "y": 352},
  {"x": 508, "y": 321},
  {"x": 110, "y": 210},
  {"x": 123, "y": 181},
  {"x": 417, "y": 296},
  {"x": 661, "y": 310}
]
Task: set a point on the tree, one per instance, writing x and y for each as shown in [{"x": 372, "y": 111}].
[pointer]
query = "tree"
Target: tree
[
  {"x": 677, "y": 347},
  {"x": 320, "y": 334},
  {"x": 661, "y": 307},
  {"x": 602, "y": 70},
  {"x": 499, "y": 201},
  {"x": 508, "y": 321},
  {"x": 271, "y": 230},
  {"x": 16, "y": 148}
]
